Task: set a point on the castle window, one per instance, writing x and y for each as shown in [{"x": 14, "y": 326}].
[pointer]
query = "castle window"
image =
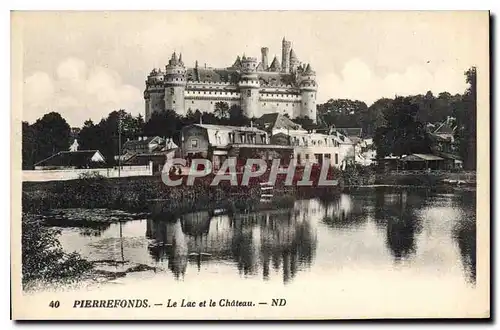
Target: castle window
[
  {"x": 192, "y": 102},
  {"x": 249, "y": 93},
  {"x": 211, "y": 102},
  {"x": 173, "y": 101},
  {"x": 176, "y": 79},
  {"x": 194, "y": 143}
]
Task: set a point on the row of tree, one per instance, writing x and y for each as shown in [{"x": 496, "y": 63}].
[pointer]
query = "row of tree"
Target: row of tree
[
  {"x": 402, "y": 123},
  {"x": 397, "y": 125},
  {"x": 349, "y": 113}
]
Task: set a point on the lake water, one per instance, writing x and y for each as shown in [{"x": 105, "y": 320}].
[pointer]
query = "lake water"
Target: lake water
[{"x": 391, "y": 240}]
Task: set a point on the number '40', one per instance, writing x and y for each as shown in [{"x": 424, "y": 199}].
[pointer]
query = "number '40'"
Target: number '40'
[{"x": 54, "y": 304}]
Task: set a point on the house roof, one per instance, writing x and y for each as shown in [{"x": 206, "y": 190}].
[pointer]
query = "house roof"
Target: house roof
[
  {"x": 421, "y": 158},
  {"x": 276, "y": 121},
  {"x": 351, "y": 131},
  {"x": 70, "y": 158},
  {"x": 229, "y": 128},
  {"x": 147, "y": 141},
  {"x": 446, "y": 127}
]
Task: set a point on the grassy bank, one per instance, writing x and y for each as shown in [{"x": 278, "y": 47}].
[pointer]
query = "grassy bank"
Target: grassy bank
[{"x": 139, "y": 194}]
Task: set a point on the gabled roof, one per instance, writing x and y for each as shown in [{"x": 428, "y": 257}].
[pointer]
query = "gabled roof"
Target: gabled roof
[
  {"x": 272, "y": 121},
  {"x": 145, "y": 143},
  {"x": 71, "y": 158},
  {"x": 351, "y": 131}
]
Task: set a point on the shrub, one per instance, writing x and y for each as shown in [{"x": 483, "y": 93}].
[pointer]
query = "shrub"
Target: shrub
[{"x": 43, "y": 257}]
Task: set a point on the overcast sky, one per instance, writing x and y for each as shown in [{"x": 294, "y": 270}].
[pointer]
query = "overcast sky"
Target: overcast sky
[{"x": 87, "y": 64}]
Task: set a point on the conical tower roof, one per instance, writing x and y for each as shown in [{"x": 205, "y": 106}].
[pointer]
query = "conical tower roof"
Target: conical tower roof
[
  {"x": 275, "y": 65},
  {"x": 293, "y": 56},
  {"x": 237, "y": 63}
]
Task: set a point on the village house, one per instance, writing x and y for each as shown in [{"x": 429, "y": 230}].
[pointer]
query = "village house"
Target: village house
[
  {"x": 334, "y": 148},
  {"x": 218, "y": 142},
  {"x": 146, "y": 150}
]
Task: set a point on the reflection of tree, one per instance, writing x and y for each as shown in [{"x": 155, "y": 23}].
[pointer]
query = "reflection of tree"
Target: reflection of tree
[
  {"x": 465, "y": 235},
  {"x": 341, "y": 212},
  {"x": 402, "y": 226},
  {"x": 170, "y": 244},
  {"x": 253, "y": 241}
]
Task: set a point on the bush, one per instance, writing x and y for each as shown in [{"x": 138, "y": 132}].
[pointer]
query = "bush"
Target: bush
[
  {"x": 90, "y": 175},
  {"x": 43, "y": 257}
]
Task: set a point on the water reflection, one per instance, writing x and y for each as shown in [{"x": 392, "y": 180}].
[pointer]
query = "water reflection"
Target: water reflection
[
  {"x": 370, "y": 230},
  {"x": 395, "y": 213},
  {"x": 282, "y": 239},
  {"x": 339, "y": 212}
]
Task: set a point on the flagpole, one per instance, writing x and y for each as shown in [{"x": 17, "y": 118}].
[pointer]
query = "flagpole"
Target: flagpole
[{"x": 119, "y": 143}]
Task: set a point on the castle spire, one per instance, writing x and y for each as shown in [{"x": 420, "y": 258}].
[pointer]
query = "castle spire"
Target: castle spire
[
  {"x": 275, "y": 65},
  {"x": 180, "y": 58}
]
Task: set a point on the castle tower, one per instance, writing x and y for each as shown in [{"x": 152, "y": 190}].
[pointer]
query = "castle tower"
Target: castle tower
[
  {"x": 249, "y": 87},
  {"x": 154, "y": 93},
  {"x": 308, "y": 90},
  {"x": 286, "y": 46},
  {"x": 265, "y": 53},
  {"x": 175, "y": 84},
  {"x": 294, "y": 61}
]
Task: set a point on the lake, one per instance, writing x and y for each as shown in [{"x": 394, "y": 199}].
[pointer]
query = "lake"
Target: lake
[{"x": 391, "y": 240}]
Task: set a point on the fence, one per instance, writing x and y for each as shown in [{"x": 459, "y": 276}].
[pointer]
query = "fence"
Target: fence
[{"x": 71, "y": 174}]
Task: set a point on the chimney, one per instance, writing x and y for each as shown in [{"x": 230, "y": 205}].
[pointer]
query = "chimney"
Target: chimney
[{"x": 265, "y": 52}]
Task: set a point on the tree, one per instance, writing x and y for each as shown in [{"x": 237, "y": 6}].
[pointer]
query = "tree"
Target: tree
[
  {"x": 164, "y": 124},
  {"x": 466, "y": 116},
  {"x": 306, "y": 123},
  {"x": 373, "y": 117},
  {"x": 221, "y": 110},
  {"x": 341, "y": 113},
  {"x": 402, "y": 133},
  {"x": 52, "y": 135},
  {"x": 28, "y": 146},
  {"x": 236, "y": 116},
  {"x": 89, "y": 138}
]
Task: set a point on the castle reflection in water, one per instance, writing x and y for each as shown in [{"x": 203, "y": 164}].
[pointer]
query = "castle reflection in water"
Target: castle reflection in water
[{"x": 284, "y": 241}]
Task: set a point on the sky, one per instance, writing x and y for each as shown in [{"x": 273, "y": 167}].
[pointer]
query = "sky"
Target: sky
[{"x": 86, "y": 64}]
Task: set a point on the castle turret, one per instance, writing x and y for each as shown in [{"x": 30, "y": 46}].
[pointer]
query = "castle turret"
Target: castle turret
[
  {"x": 264, "y": 62},
  {"x": 154, "y": 93},
  {"x": 308, "y": 90},
  {"x": 294, "y": 61},
  {"x": 175, "y": 84},
  {"x": 286, "y": 46},
  {"x": 249, "y": 87}
]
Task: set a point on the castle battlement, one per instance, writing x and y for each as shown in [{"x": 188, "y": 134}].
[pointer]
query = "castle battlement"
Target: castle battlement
[{"x": 257, "y": 87}]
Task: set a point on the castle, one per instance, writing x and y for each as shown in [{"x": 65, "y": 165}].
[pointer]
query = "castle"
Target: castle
[{"x": 258, "y": 88}]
